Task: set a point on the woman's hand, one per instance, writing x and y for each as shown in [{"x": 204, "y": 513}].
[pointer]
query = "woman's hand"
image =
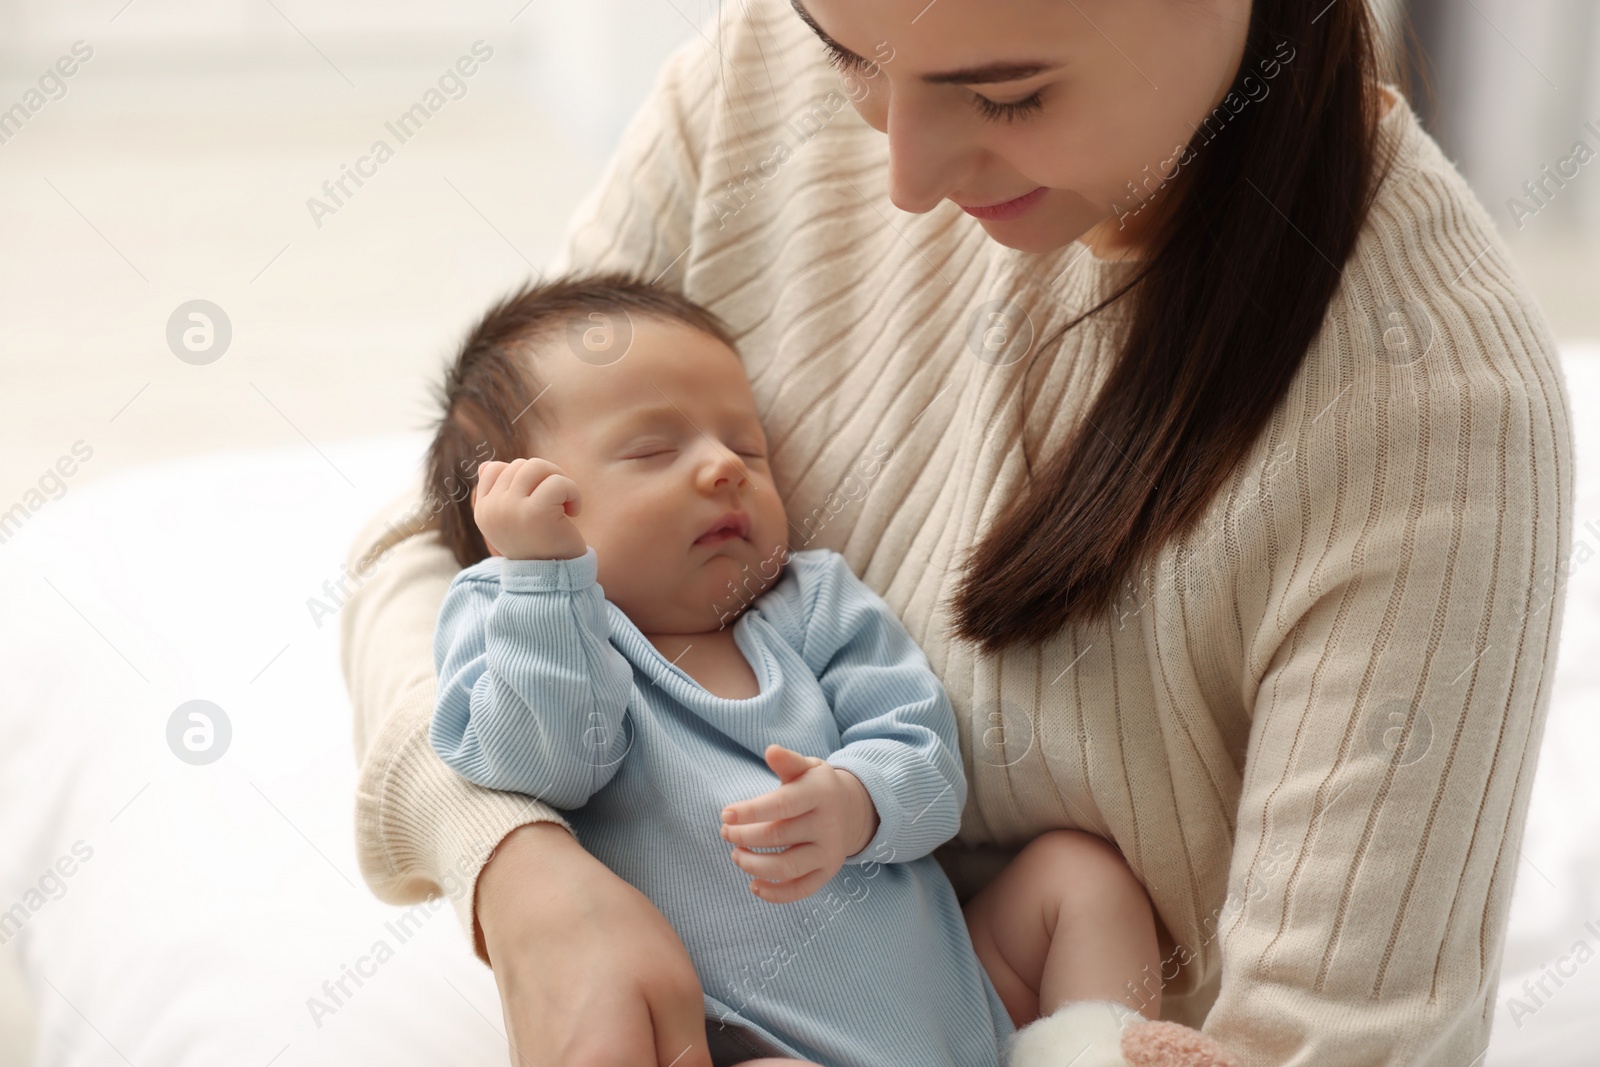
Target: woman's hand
[
  {"x": 590, "y": 973},
  {"x": 823, "y": 813}
]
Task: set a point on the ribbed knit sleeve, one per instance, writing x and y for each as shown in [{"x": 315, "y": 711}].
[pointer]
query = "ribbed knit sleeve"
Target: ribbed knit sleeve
[
  {"x": 1402, "y": 621},
  {"x": 531, "y": 693},
  {"x": 896, "y": 730}
]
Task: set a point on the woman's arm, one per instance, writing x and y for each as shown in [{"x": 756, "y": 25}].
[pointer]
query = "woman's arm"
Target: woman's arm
[{"x": 1404, "y": 669}]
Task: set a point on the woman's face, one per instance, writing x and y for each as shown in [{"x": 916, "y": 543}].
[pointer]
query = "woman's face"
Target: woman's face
[{"x": 1048, "y": 108}]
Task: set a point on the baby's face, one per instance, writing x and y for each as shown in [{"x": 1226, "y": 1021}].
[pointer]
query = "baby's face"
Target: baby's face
[{"x": 664, "y": 444}]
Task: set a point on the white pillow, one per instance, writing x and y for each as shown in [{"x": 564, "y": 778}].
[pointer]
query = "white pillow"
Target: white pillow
[{"x": 211, "y": 912}]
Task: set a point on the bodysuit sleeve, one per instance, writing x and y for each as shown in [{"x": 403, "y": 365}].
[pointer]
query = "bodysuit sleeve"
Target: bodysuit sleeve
[
  {"x": 532, "y": 694},
  {"x": 897, "y": 729}
]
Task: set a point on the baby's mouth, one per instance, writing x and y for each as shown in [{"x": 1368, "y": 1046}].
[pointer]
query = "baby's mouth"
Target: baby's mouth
[{"x": 727, "y": 526}]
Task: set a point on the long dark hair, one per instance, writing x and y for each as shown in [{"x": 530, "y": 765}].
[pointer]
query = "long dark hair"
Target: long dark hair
[{"x": 1223, "y": 312}]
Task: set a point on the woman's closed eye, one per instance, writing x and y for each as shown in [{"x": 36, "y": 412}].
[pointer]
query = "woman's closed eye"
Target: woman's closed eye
[
  {"x": 994, "y": 110},
  {"x": 846, "y": 61},
  {"x": 1010, "y": 111}
]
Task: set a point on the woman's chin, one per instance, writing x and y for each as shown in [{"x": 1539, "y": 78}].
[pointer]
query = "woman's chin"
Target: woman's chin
[{"x": 1041, "y": 234}]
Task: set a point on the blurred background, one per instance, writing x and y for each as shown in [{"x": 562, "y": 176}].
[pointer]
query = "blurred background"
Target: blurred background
[{"x": 175, "y": 165}]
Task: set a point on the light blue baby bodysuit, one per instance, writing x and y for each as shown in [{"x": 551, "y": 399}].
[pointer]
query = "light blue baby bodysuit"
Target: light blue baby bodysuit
[{"x": 549, "y": 689}]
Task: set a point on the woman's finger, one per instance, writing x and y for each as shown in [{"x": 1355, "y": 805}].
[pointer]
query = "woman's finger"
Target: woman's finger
[{"x": 679, "y": 1016}]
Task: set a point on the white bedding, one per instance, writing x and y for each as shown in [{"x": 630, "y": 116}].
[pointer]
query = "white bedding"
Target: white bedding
[{"x": 216, "y": 900}]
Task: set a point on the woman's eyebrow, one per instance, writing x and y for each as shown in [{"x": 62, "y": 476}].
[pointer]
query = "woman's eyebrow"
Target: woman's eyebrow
[
  {"x": 991, "y": 72},
  {"x": 983, "y": 74}
]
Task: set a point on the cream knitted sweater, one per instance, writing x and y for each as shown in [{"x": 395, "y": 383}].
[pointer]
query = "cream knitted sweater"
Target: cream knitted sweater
[{"x": 1311, "y": 725}]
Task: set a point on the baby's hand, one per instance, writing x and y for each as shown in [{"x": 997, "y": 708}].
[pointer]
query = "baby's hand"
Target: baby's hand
[
  {"x": 523, "y": 507},
  {"x": 822, "y": 813}
]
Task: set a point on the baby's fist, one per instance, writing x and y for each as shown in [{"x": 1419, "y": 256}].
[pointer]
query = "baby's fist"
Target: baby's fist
[
  {"x": 523, "y": 509},
  {"x": 820, "y": 815}
]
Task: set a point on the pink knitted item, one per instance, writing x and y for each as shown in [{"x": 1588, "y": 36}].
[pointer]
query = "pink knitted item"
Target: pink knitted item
[{"x": 1164, "y": 1044}]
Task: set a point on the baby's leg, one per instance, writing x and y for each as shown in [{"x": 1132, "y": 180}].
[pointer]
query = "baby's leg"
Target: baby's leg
[{"x": 1067, "y": 920}]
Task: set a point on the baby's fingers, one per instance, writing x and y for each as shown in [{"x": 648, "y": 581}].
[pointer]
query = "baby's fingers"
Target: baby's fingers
[
  {"x": 556, "y": 493},
  {"x": 785, "y": 802},
  {"x": 772, "y": 834},
  {"x": 793, "y": 862},
  {"x": 488, "y": 473},
  {"x": 794, "y": 889},
  {"x": 530, "y": 473}
]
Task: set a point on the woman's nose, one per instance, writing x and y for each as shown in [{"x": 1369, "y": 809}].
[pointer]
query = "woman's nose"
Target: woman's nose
[{"x": 926, "y": 152}]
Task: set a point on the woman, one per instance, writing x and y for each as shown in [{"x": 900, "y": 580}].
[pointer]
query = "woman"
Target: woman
[{"x": 1155, "y": 366}]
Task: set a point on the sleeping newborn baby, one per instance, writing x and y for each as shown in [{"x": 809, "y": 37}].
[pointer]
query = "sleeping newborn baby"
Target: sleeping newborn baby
[{"x": 745, "y": 733}]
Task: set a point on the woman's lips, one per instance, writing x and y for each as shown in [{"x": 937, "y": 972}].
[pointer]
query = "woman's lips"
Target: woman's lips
[{"x": 1010, "y": 209}]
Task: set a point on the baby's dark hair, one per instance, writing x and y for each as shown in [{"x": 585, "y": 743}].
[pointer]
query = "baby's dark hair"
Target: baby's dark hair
[{"x": 486, "y": 401}]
